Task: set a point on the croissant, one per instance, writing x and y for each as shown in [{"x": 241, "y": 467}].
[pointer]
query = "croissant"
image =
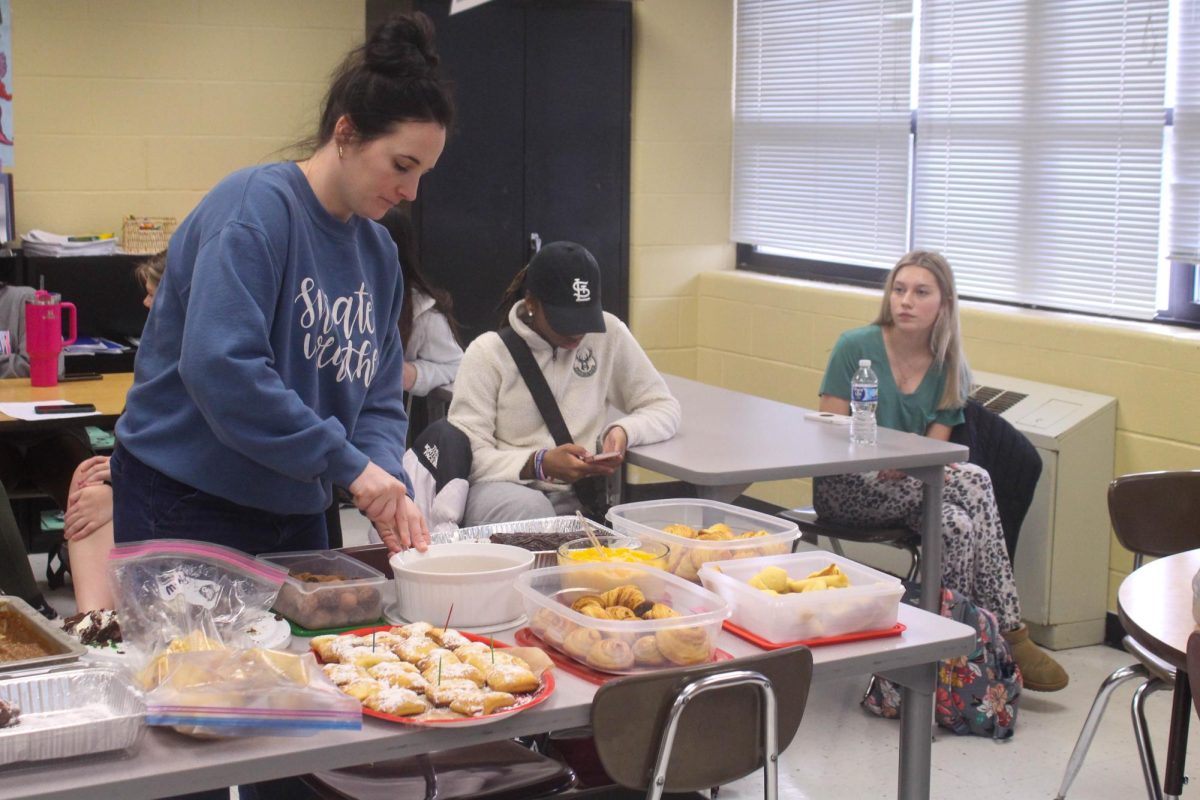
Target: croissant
[
  {"x": 686, "y": 531},
  {"x": 611, "y": 655},
  {"x": 718, "y": 531},
  {"x": 647, "y": 654},
  {"x": 585, "y": 601},
  {"x": 683, "y": 646},
  {"x": 597, "y": 612},
  {"x": 621, "y": 612},
  {"x": 581, "y": 641},
  {"x": 659, "y": 611},
  {"x": 628, "y": 595}
]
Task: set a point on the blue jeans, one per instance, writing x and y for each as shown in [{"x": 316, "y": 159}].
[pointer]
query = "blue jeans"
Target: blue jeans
[{"x": 150, "y": 505}]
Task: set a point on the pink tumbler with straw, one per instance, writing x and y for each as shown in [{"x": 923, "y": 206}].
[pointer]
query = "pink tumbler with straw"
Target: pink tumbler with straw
[{"x": 43, "y": 336}]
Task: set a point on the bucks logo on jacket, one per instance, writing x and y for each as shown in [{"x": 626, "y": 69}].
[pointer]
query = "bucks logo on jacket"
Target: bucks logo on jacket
[{"x": 585, "y": 362}]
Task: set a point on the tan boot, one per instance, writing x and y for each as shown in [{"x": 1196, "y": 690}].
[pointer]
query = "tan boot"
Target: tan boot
[{"x": 1040, "y": 672}]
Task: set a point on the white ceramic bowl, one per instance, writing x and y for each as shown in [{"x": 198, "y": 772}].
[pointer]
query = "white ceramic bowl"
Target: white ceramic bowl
[{"x": 475, "y": 577}]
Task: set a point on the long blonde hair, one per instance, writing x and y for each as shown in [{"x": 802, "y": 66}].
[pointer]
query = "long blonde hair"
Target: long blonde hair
[{"x": 945, "y": 340}]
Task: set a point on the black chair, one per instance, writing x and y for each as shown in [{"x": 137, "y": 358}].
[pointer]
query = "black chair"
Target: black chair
[
  {"x": 1153, "y": 514},
  {"x": 655, "y": 733},
  {"x": 494, "y": 771}
]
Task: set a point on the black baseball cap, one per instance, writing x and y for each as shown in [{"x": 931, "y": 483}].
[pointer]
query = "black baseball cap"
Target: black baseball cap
[{"x": 565, "y": 277}]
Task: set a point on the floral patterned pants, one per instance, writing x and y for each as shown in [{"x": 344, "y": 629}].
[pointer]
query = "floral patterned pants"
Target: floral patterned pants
[{"x": 974, "y": 560}]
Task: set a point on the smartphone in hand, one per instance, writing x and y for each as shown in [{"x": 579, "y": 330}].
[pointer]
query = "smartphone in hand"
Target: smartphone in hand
[{"x": 606, "y": 456}]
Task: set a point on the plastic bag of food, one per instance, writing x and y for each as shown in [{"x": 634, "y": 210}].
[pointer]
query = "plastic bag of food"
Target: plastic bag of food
[{"x": 186, "y": 605}]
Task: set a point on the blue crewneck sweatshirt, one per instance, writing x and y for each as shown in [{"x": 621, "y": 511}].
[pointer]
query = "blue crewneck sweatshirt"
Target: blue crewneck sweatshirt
[{"x": 271, "y": 365}]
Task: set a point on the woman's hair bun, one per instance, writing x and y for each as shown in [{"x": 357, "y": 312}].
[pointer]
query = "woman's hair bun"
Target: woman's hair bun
[{"x": 402, "y": 45}]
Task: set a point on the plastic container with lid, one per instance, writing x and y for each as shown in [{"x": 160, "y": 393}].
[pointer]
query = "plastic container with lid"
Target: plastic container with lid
[
  {"x": 871, "y": 601},
  {"x": 622, "y": 646},
  {"x": 353, "y": 596},
  {"x": 754, "y": 534}
]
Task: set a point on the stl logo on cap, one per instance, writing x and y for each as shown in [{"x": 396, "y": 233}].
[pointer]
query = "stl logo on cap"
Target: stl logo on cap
[{"x": 582, "y": 293}]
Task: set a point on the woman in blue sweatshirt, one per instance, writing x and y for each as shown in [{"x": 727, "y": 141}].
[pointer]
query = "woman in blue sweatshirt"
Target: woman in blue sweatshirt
[{"x": 270, "y": 369}]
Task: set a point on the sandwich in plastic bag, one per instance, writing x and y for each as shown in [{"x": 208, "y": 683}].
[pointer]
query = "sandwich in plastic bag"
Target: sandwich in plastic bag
[{"x": 185, "y": 604}]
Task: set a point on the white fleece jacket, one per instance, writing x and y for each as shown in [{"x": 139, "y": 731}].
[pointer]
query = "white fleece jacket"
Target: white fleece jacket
[
  {"x": 494, "y": 408},
  {"x": 431, "y": 346}
]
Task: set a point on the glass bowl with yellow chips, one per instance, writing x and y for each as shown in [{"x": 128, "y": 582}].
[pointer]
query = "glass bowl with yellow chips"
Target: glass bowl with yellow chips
[{"x": 613, "y": 549}]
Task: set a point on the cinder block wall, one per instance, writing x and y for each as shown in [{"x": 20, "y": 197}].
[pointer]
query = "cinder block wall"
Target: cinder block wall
[{"x": 140, "y": 106}]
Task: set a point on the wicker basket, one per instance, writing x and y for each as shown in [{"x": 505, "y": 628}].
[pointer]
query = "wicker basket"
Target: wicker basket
[{"x": 146, "y": 235}]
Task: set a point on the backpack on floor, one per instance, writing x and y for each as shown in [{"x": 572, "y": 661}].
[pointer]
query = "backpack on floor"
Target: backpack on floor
[{"x": 976, "y": 694}]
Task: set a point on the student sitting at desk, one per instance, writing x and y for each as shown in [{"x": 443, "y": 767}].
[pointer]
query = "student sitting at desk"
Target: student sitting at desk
[
  {"x": 427, "y": 329},
  {"x": 915, "y": 347},
  {"x": 590, "y": 361}
]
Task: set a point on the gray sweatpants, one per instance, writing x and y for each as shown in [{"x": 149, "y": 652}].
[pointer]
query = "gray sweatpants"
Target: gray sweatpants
[{"x": 500, "y": 501}]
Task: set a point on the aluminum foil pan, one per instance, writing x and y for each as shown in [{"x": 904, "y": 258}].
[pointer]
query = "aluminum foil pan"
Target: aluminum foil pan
[
  {"x": 70, "y": 713},
  {"x": 60, "y": 648},
  {"x": 542, "y": 558}
]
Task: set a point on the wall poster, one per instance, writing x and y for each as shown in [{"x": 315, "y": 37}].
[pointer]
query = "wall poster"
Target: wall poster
[{"x": 6, "y": 98}]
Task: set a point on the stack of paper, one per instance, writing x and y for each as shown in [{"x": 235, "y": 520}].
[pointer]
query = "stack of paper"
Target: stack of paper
[
  {"x": 94, "y": 344},
  {"x": 43, "y": 243}
]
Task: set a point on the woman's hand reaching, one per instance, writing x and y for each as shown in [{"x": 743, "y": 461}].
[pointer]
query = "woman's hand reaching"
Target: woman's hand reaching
[{"x": 384, "y": 500}]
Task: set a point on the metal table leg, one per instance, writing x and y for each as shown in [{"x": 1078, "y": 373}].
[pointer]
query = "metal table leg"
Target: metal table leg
[
  {"x": 916, "y": 728},
  {"x": 1181, "y": 715},
  {"x": 931, "y": 536}
]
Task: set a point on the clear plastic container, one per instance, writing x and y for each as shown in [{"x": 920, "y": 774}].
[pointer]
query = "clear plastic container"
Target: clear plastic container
[
  {"x": 622, "y": 646},
  {"x": 356, "y": 598},
  {"x": 647, "y": 521},
  {"x": 871, "y": 602},
  {"x": 70, "y": 713}
]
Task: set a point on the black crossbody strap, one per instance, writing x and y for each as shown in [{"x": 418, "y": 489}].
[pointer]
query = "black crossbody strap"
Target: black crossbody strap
[{"x": 536, "y": 382}]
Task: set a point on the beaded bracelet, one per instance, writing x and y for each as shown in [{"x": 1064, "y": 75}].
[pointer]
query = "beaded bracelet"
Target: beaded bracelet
[{"x": 538, "y": 459}]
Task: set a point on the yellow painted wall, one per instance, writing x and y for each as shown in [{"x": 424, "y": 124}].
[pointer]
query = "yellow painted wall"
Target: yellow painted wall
[
  {"x": 772, "y": 336},
  {"x": 140, "y": 106}
]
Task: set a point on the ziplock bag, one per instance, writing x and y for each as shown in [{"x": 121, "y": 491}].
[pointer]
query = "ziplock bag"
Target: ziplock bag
[{"x": 186, "y": 604}]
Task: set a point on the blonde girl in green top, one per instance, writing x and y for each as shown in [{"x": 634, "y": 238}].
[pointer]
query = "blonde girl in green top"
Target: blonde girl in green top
[{"x": 915, "y": 347}]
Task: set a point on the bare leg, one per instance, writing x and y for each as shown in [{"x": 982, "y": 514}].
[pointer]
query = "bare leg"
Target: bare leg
[{"x": 89, "y": 569}]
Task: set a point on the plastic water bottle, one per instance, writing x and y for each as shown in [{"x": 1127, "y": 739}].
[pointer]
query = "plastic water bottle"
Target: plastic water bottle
[{"x": 864, "y": 394}]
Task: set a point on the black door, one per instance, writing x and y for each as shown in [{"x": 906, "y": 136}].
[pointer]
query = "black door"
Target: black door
[{"x": 540, "y": 147}]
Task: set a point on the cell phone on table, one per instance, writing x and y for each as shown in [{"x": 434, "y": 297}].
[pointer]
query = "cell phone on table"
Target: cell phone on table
[
  {"x": 81, "y": 376},
  {"x": 606, "y": 456},
  {"x": 69, "y": 408}
]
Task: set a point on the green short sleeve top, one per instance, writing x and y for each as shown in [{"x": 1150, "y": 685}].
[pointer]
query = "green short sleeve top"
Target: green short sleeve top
[{"x": 912, "y": 413}]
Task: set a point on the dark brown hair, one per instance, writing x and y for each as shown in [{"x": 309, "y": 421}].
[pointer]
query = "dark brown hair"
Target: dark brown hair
[
  {"x": 393, "y": 77},
  {"x": 400, "y": 227}
]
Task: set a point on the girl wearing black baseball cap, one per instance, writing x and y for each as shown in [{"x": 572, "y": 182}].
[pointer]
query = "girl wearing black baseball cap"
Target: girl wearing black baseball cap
[{"x": 589, "y": 361}]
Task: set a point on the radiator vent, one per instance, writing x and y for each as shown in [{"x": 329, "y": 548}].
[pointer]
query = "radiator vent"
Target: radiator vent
[{"x": 996, "y": 400}]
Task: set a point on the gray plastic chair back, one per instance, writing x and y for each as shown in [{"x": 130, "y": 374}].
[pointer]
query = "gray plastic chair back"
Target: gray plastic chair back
[
  {"x": 1156, "y": 513},
  {"x": 720, "y": 734}
]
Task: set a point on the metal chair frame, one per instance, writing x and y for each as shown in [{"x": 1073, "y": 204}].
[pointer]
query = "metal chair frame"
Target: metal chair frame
[{"x": 1145, "y": 530}]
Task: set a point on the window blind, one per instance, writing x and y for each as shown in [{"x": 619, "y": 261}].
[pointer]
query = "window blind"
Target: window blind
[
  {"x": 1038, "y": 159},
  {"x": 1184, "y": 233},
  {"x": 821, "y": 137}
]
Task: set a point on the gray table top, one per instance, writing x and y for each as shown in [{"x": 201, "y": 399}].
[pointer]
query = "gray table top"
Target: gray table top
[
  {"x": 168, "y": 763},
  {"x": 729, "y": 438}
]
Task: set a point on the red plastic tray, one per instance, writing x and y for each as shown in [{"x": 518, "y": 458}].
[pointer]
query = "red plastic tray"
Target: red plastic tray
[
  {"x": 767, "y": 644},
  {"x": 527, "y": 638}
]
